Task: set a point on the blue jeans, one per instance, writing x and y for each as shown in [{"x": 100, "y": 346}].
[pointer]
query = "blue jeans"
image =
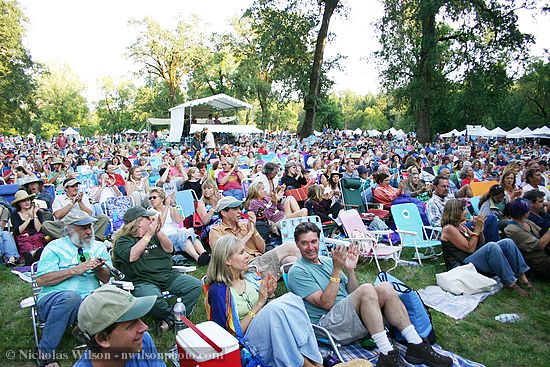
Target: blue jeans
[
  {"x": 58, "y": 310},
  {"x": 501, "y": 258},
  {"x": 236, "y": 193},
  {"x": 7, "y": 245},
  {"x": 179, "y": 240},
  {"x": 490, "y": 228}
]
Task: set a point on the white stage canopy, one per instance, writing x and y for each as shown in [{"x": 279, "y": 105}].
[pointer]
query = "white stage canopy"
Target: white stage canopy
[
  {"x": 201, "y": 108},
  {"x": 232, "y": 129}
]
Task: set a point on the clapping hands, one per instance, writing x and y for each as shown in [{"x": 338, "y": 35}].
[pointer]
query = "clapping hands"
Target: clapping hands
[{"x": 345, "y": 257}]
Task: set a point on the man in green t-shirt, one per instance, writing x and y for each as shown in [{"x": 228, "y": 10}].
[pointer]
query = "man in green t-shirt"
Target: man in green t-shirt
[
  {"x": 144, "y": 255},
  {"x": 349, "y": 311}
]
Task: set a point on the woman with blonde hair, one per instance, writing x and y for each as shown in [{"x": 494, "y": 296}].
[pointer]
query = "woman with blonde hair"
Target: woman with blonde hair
[
  {"x": 280, "y": 330},
  {"x": 183, "y": 239},
  {"x": 144, "y": 254},
  {"x": 137, "y": 186},
  {"x": 206, "y": 208},
  {"x": 272, "y": 207},
  {"x": 462, "y": 245},
  {"x": 320, "y": 203}
]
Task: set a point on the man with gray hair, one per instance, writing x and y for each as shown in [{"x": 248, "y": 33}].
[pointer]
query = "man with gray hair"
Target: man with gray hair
[{"x": 69, "y": 269}]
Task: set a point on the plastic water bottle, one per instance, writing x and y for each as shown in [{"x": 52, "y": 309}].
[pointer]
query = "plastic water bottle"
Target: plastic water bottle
[
  {"x": 179, "y": 310},
  {"x": 507, "y": 317},
  {"x": 408, "y": 263}
]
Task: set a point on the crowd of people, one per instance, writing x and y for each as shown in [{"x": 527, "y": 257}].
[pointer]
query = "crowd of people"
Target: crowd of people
[{"x": 243, "y": 189}]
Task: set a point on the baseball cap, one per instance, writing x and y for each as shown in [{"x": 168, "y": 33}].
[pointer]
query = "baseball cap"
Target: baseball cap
[
  {"x": 79, "y": 218},
  {"x": 108, "y": 305},
  {"x": 228, "y": 202},
  {"x": 361, "y": 170},
  {"x": 136, "y": 212}
]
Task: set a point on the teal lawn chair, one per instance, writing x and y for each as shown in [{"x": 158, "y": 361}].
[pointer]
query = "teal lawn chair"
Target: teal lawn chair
[
  {"x": 412, "y": 231},
  {"x": 186, "y": 200},
  {"x": 474, "y": 202}
]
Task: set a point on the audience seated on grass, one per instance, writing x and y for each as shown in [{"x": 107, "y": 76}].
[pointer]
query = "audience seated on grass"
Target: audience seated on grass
[{"x": 462, "y": 245}]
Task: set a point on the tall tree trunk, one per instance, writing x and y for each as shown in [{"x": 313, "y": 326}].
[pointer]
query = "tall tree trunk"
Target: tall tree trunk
[
  {"x": 310, "y": 101},
  {"x": 424, "y": 93}
]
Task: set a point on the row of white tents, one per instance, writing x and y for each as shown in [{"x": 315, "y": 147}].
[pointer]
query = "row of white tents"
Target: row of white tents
[
  {"x": 515, "y": 133},
  {"x": 399, "y": 134}
]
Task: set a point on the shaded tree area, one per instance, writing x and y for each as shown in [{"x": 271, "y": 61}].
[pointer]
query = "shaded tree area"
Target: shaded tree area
[
  {"x": 438, "y": 47},
  {"x": 17, "y": 70}
]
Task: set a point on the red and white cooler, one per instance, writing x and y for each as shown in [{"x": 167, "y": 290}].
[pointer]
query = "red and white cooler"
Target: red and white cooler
[{"x": 214, "y": 348}]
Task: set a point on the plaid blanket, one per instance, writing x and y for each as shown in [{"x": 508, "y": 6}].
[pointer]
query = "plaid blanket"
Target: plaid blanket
[{"x": 355, "y": 351}]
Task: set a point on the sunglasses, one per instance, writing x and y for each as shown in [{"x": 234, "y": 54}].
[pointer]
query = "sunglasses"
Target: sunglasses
[
  {"x": 75, "y": 185},
  {"x": 153, "y": 197},
  {"x": 81, "y": 255}
]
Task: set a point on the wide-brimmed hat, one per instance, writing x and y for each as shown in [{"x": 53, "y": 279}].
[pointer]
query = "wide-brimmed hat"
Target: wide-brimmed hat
[
  {"x": 56, "y": 161},
  {"x": 79, "y": 218},
  {"x": 20, "y": 196},
  {"x": 30, "y": 179},
  {"x": 108, "y": 305}
]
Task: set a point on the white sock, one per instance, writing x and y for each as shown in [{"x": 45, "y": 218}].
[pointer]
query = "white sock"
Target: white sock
[
  {"x": 382, "y": 342},
  {"x": 410, "y": 334}
]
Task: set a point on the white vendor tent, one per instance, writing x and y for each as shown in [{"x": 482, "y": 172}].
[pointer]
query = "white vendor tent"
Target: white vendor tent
[
  {"x": 514, "y": 130},
  {"x": 498, "y": 132},
  {"x": 521, "y": 134},
  {"x": 453, "y": 132},
  {"x": 374, "y": 132},
  {"x": 541, "y": 132},
  {"x": 201, "y": 108},
  {"x": 131, "y": 131},
  {"x": 477, "y": 130}
]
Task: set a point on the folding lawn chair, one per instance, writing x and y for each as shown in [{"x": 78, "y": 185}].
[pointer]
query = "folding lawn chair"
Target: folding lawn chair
[
  {"x": 186, "y": 200},
  {"x": 30, "y": 302},
  {"x": 115, "y": 208},
  {"x": 412, "y": 231},
  {"x": 368, "y": 240},
  {"x": 352, "y": 198},
  {"x": 474, "y": 203}
]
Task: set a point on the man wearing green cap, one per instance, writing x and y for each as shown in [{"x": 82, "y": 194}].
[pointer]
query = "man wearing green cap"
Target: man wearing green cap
[
  {"x": 144, "y": 254},
  {"x": 110, "y": 321}
]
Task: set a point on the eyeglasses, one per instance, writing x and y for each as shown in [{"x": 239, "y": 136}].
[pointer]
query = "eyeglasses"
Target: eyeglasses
[
  {"x": 75, "y": 185},
  {"x": 152, "y": 197},
  {"x": 244, "y": 296},
  {"x": 81, "y": 255}
]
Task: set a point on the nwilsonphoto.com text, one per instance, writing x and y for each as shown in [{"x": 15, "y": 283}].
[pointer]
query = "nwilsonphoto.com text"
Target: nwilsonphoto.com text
[{"x": 15, "y": 355}]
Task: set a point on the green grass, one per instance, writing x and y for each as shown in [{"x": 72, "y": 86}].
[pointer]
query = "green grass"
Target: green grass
[{"x": 477, "y": 337}]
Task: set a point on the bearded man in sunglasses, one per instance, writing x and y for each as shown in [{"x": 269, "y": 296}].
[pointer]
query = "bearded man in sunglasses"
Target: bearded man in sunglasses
[{"x": 69, "y": 269}]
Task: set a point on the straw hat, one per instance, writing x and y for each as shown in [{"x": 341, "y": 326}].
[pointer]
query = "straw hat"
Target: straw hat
[
  {"x": 56, "y": 161},
  {"x": 20, "y": 196}
]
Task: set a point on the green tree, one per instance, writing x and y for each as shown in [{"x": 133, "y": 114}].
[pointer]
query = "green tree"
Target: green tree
[
  {"x": 433, "y": 41},
  {"x": 115, "y": 111},
  {"x": 17, "y": 71},
  {"x": 168, "y": 54},
  {"x": 533, "y": 92},
  {"x": 59, "y": 100},
  {"x": 273, "y": 45},
  {"x": 152, "y": 100}
]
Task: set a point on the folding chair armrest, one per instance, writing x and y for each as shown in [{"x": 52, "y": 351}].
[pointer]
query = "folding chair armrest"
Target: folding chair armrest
[
  {"x": 438, "y": 229},
  {"x": 324, "y": 332},
  {"x": 334, "y": 241},
  {"x": 183, "y": 269},
  {"x": 367, "y": 239},
  {"x": 410, "y": 233},
  {"x": 27, "y": 302},
  {"x": 382, "y": 232},
  {"x": 350, "y": 206}
]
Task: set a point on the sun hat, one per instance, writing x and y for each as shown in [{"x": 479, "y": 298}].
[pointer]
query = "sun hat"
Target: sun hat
[
  {"x": 79, "y": 218},
  {"x": 108, "y": 305},
  {"x": 30, "y": 179},
  {"x": 136, "y": 212},
  {"x": 70, "y": 182},
  {"x": 228, "y": 202},
  {"x": 20, "y": 196}
]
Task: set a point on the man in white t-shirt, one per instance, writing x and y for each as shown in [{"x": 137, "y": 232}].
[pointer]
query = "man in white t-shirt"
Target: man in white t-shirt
[
  {"x": 73, "y": 202},
  {"x": 533, "y": 181}
]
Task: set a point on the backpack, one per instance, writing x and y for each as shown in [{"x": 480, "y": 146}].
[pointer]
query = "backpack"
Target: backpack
[{"x": 418, "y": 313}]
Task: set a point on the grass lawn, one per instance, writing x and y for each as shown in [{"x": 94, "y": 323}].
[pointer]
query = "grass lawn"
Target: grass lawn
[{"x": 477, "y": 337}]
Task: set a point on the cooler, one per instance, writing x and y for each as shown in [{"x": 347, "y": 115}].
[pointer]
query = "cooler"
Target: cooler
[{"x": 194, "y": 351}]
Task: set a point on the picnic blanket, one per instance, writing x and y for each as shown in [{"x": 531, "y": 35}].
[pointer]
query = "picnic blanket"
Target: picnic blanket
[
  {"x": 453, "y": 306},
  {"x": 356, "y": 350}
]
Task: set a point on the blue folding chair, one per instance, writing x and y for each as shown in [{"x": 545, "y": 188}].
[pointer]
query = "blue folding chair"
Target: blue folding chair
[
  {"x": 186, "y": 200},
  {"x": 412, "y": 231},
  {"x": 8, "y": 192},
  {"x": 474, "y": 202}
]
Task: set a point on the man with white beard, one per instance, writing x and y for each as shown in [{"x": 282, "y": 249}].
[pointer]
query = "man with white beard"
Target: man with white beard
[{"x": 69, "y": 269}]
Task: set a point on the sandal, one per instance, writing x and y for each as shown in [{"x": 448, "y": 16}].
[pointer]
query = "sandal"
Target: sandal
[
  {"x": 515, "y": 287},
  {"x": 528, "y": 286},
  {"x": 12, "y": 262}
]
